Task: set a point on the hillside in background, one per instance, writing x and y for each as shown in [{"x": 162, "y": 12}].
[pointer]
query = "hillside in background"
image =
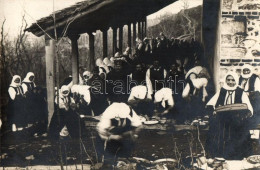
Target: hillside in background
[{"x": 184, "y": 25}]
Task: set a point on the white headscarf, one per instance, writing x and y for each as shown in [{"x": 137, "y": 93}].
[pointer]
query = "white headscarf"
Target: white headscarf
[
  {"x": 87, "y": 73},
  {"x": 235, "y": 76},
  {"x": 13, "y": 84},
  {"x": 106, "y": 61},
  {"x": 28, "y": 75},
  {"x": 250, "y": 67},
  {"x": 99, "y": 62},
  {"x": 64, "y": 88}
]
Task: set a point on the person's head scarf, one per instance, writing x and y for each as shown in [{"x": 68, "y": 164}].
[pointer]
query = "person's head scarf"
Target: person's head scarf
[
  {"x": 235, "y": 76},
  {"x": 99, "y": 62},
  {"x": 27, "y": 77},
  {"x": 87, "y": 75},
  {"x": 250, "y": 68},
  {"x": 65, "y": 90},
  {"x": 106, "y": 61},
  {"x": 13, "y": 83}
]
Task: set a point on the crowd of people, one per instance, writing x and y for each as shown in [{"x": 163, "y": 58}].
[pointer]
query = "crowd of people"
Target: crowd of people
[{"x": 164, "y": 78}]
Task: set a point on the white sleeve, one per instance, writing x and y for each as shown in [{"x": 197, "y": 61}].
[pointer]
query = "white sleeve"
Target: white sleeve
[
  {"x": 12, "y": 93},
  {"x": 246, "y": 100},
  {"x": 135, "y": 120},
  {"x": 186, "y": 91},
  {"x": 164, "y": 73},
  {"x": 131, "y": 76},
  {"x": 102, "y": 128},
  {"x": 213, "y": 100},
  {"x": 170, "y": 100},
  {"x": 25, "y": 89},
  {"x": 148, "y": 82},
  {"x": 257, "y": 84},
  {"x": 131, "y": 96},
  {"x": 87, "y": 97},
  {"x": 62, "y": 105}
]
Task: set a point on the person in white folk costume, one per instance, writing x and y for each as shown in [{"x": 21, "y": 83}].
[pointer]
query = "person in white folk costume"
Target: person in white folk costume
[
  {"x": 118, "y": 129},
  {"x": 250, "y": 82},
  {"x": 82, "y": 98},
  {"x": 141, "y": 100},
  {"x": 228, "y": 135},
  {"x": 68, "y": 118},
  {"x": 164, "y": 103},
  {"x": 29, "y": 86},
  {"x": 16, "y": 113}
]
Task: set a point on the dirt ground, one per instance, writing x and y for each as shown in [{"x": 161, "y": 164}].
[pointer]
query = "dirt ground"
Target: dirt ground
[{"x": 21, "y": 149}]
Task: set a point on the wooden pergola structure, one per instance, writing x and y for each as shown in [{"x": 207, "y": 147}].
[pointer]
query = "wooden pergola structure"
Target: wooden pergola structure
[{"x": 87, "y": 17}]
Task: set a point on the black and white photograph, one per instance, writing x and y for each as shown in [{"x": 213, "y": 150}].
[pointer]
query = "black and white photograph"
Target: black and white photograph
[{"x": 130, "y": 84}]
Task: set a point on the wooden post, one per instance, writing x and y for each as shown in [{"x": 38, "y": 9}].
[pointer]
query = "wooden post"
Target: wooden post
[
  {"x": 129, "y": 35},
  {"x": 91, "y": 51},
  {"x": 49, "y": 57},
  {"x": 114, "y": 40},
  {"x": 121, "y": 39},
  {"x": 134, "y": 35},
  {"x": 210, "y": 37},
  {"x": 75, "y": 58},
  {"x": 104, "y": 43},
  {"x": 139, "y": 29},
  {"x": 142, "y": 30},
  {"x": 145, "y": 26}
]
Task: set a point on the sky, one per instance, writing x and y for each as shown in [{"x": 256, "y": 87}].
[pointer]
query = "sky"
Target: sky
[{"x": 13, "y": 10}]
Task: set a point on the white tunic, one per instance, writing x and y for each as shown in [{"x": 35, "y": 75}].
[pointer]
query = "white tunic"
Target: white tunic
[
  {"x": 139, "y": 92},
  {"x": 164, "y": 95},
  {"x": 115, "y": 111}
]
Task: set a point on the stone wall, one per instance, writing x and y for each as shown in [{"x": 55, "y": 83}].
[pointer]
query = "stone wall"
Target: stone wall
[{"x": 239, "y": 36}]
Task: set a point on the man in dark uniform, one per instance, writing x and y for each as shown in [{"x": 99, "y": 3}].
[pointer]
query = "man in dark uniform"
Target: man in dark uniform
[
  {"x": 117, "y": 84},
  {"x": 155, "y": 77},
  {"x": 97, "y": 92},
  {"x": 137, "y": 76}
]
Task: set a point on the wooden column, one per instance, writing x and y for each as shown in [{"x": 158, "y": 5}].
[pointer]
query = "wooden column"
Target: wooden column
[
  {"x": 210, "y": 37},
  {"x": 91, "y": 51},
  {"x": 139, "y": 29},
  {"x": 134, "y": 35},
  {"x": 104, "y": 43},
  {"x": 145, "y": 26},
  {"x": 143, "y": 30},
  {"x": 114, "y": 39},
  {"x": 120, "y": 39},
  {"x": 75, "y": 58},
  {"x": 50, "y": 84},
  {"x": 129, "y": 35}
]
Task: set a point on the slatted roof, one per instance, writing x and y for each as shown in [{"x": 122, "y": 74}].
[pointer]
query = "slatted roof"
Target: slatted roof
[{"x": 92, "y": 15}]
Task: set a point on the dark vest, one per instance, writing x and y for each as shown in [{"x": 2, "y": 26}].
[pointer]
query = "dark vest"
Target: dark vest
[
  {"x": 222, "y": 95},
  {"x": 188, "y": 80},
  {"x": 30, "y": 86},
  {"x": 251, "y": 81},
  {"x": 157, "y": 75},
  {"x": 17, "y": 90},
  {"x": 138, "y": 76}
]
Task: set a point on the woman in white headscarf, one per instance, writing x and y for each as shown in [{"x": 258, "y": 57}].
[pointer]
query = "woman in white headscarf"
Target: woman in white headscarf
[
  {"x": 250, "y": 82},
  {"x": 28, "y": 83},
  {"x": 86, "y": 76},
  {"x": 103, "y": 68},
  {"x": 29, "y": 86},
  {"x": 67, "y": 115},
  {"x": 16, "y": 111},
  {"x": 228, "y": 131}
]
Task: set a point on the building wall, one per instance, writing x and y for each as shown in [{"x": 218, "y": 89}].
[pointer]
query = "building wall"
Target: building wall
[{"x": 239, "y": 36}]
